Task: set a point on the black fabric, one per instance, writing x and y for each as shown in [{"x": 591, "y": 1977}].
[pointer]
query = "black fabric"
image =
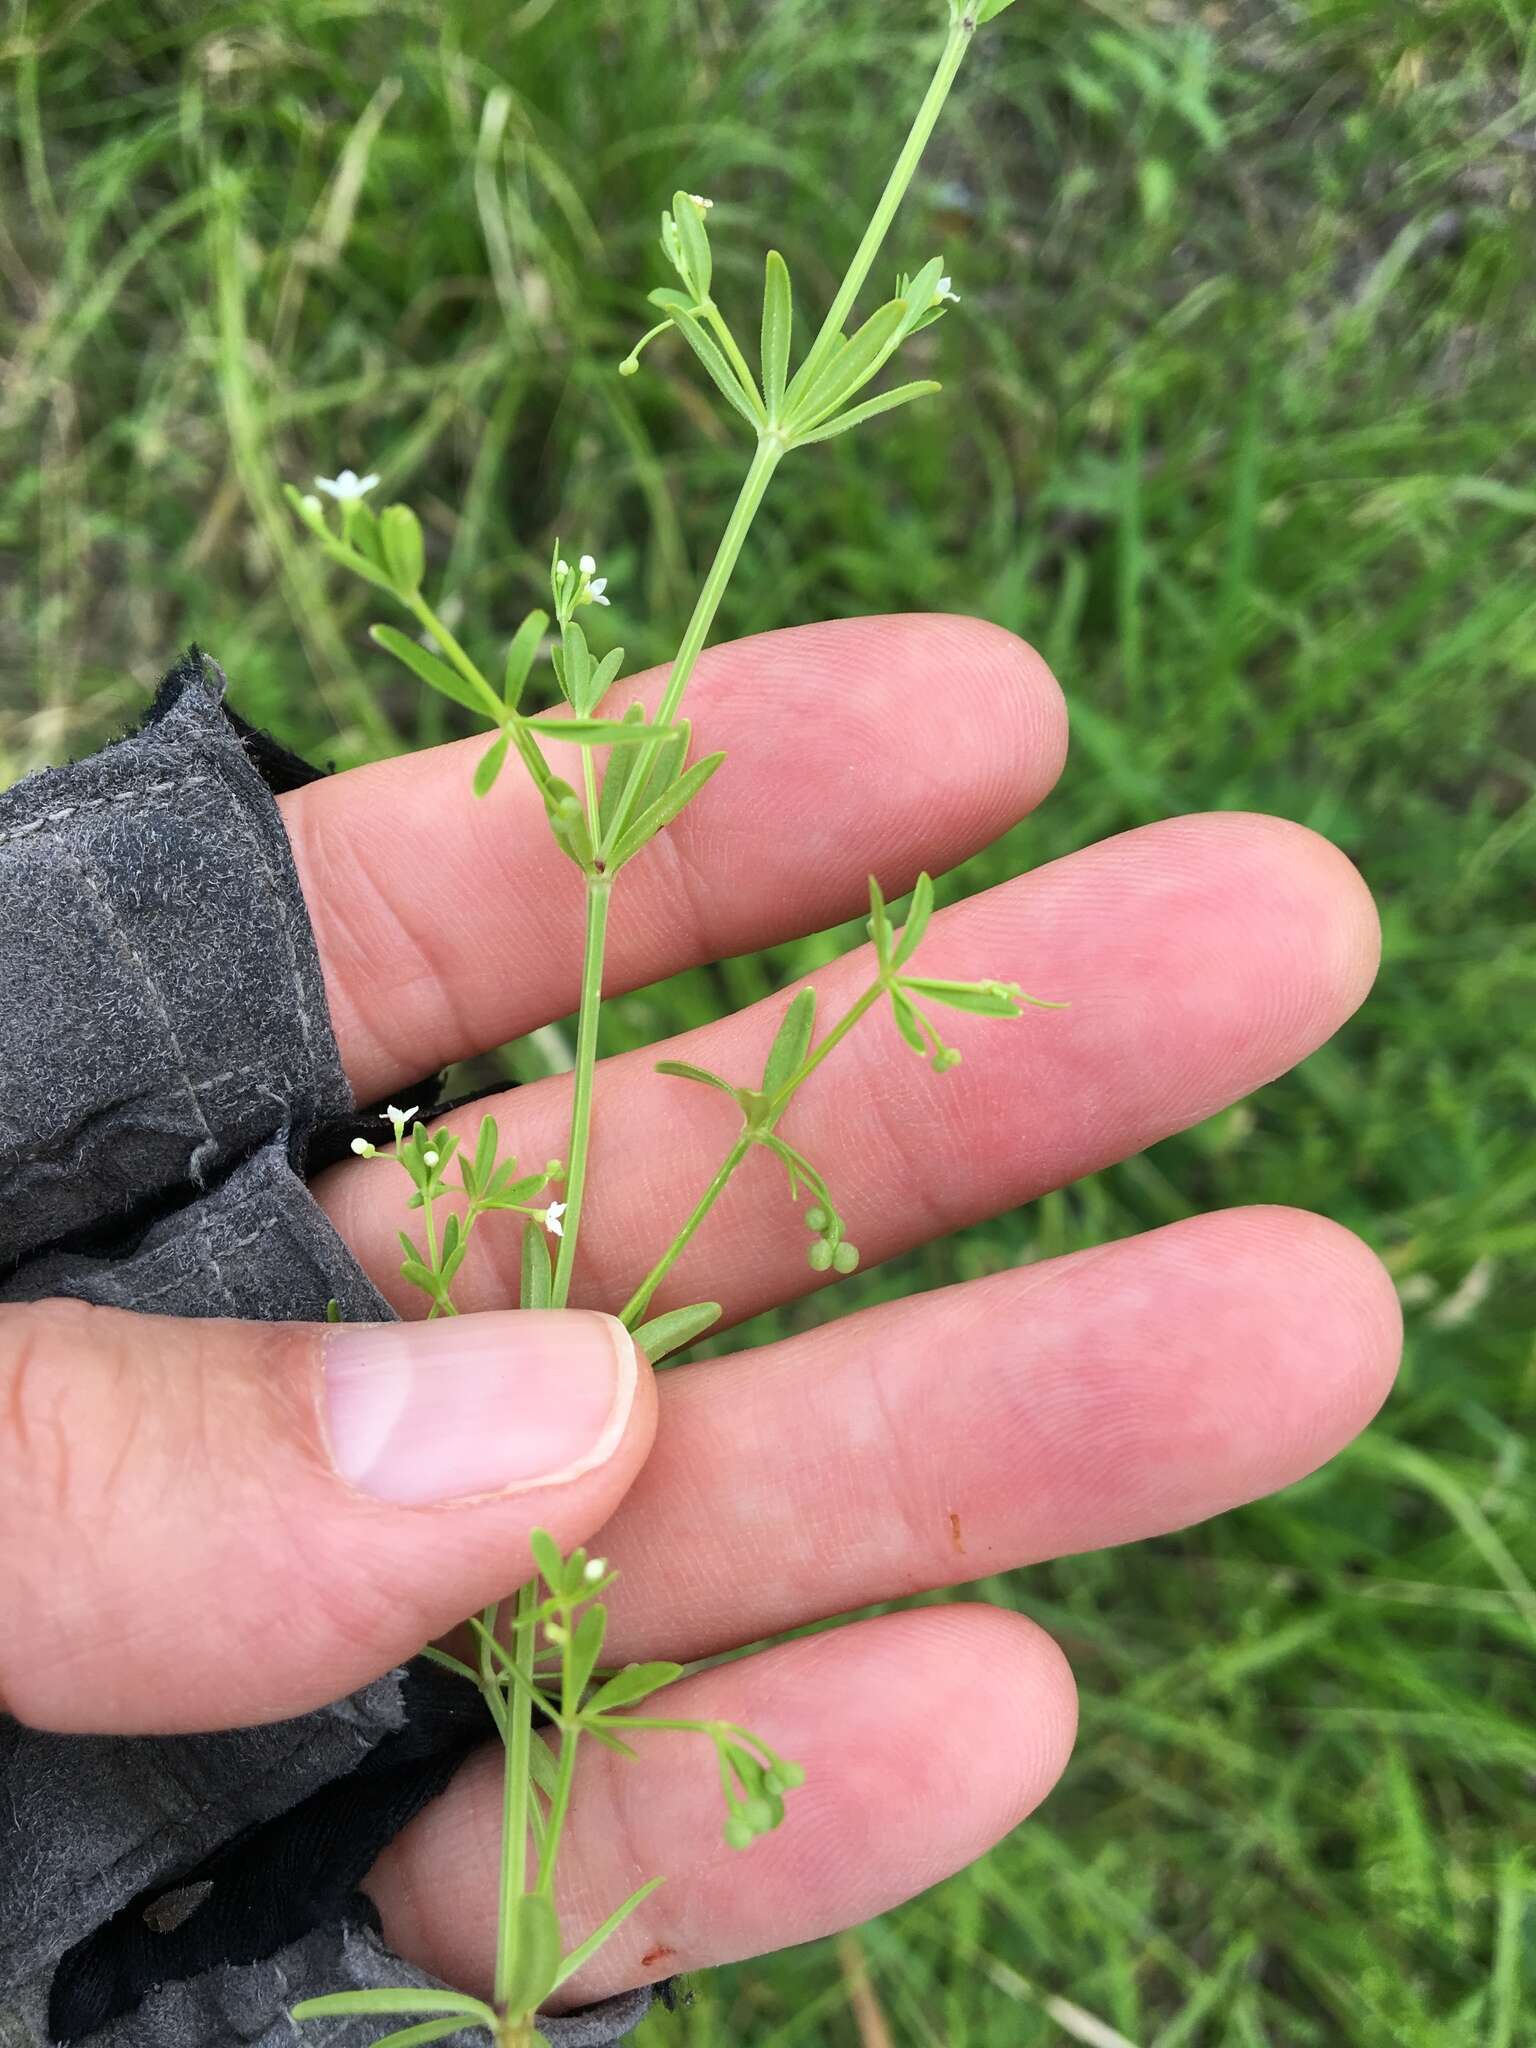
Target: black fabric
[
  {"x": 275, "y": 1882},
  {"x": 169, "y": 1072}
]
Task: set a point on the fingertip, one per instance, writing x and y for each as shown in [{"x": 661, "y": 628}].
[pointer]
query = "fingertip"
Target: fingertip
[
  {"x": 1014, "y": 715},
  {"x": 1332, "y": 914},
  {"x": 1348, "y": 1312},
  {"x": 1024, "y": 1669},
  {"x": 1020, "y": 673}
]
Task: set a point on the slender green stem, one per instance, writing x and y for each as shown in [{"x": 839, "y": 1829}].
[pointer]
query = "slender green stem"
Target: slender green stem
[
  {"x": 599, "y": 893},
  {"x": 639, "y": 1301},
  {"x": 955, "y": 46},
  {"x": 516, "y": 1792},
  {"x": 769, "y": 454},
  {"x": 424, "y": 615},
  {"x": 565, "y": 1770}
]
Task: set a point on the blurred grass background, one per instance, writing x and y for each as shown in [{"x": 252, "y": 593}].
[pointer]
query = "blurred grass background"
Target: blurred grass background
[{"x": 1239, "y": 430}]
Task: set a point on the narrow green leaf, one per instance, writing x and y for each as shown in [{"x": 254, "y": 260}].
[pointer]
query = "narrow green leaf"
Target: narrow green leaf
[
  {"x": 800, "y": 1169},
  {"x": 679, "y": 1326},
  {"x": 436, "y": 674},
  {"x": 412, "y": 2037},
  {"x": 538, "y": 1276},
  {"x": 694, "y": 242},
  {"x": 520, "y": 655},
  {"x": 680, "y": 1070},
  {"x": 405, "y": 554},
  {"x": 635, "y": 1682},
  {"x": 335, "y": 2003},
  {"x": 587, "y": 1648},
  {"x": 543, "y": 1768},
  {"x": 879, "y": 923},
  {"x": 982, "y": 999},
  {"x": 917, "y": 922},
  {"x": 669, "y": 764},
  {"x": 603, "y": 678},
  {"x": 906, "y": 1022},
  {"x": 712, "y": 356},
  {"x": 591, "y": 732},
  {"x": 583, "y": 1953},
  {"x": 989, "y": 10},
  {"x": 853, "y": 365},
  {"x": 546, "y": 1555},
  {"x": 492, "y": 761},
  {"x": 602, "y": 1731},
  {"x": 575, "y": 667},
  {"x": 871, "y": 409},
  {"x": 511, "y": 1193},
  {"x": 486, "y": 1147},
  {"x": 918, "y": 295},
  {"x": 664, "y": 810},
  {"x": 436, "y": 1656},
  {"x": 361, "y": 528},
  {"x": 778, "y": 327},
  {"x": 535, "y": 1946},
  {"x": 791, "y": 1042},
  {"x": 622, "y": 763}
]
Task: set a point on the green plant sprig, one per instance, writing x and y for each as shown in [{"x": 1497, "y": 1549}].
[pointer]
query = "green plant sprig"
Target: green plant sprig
[
  {"x": 792, "y": 1059},
  {"x": 644, "y": 786}
]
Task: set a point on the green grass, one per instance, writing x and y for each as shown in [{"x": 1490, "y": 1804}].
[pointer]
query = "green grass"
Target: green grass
[{"x": 1248, "y": 456}]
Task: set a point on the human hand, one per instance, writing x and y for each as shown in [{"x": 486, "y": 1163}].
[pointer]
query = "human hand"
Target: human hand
[{"x": 1072, "y": 1404}]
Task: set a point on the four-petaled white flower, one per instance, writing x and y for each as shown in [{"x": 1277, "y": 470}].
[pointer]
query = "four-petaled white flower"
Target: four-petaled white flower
[
  {"x": 552, "y": 1216},
  {"x": 593, "y": 584},
  {"x": 346, "y": 487},
  {"x": 943, "y": 295}
]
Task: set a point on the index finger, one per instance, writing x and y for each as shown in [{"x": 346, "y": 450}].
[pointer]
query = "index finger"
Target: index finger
[{"x": 447, "y": 926}]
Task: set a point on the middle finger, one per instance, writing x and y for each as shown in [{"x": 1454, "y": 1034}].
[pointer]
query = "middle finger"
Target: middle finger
[{"x": 1202, "y": 958}]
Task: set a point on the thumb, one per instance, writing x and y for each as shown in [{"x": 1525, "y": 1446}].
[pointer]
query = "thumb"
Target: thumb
[{"x": 209, "y": 1524}]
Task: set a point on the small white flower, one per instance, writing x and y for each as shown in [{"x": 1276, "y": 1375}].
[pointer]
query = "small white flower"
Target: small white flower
[
  {"x": 347, "y": 486},
  {"x": 699, "y": 200},
  {"x": 399, "y": 1118},
  {"x": 364, "y": 1150},
  {"x": 943, "y": 295},
  {"x": 430, "y": 1158},
  {"x": 594, "y": 1569},
  {"x": 592, "y": 585},
  {"x": 552, "y": 1216},
  {"x": 562, "y": 568}
]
